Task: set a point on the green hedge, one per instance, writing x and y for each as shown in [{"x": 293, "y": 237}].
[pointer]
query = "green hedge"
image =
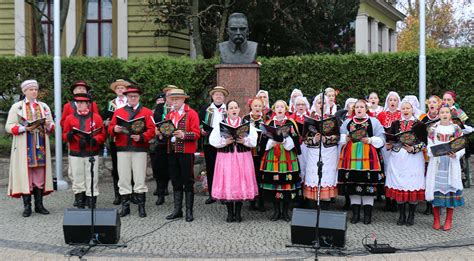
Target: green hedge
[{"x": 353, "y": 75}]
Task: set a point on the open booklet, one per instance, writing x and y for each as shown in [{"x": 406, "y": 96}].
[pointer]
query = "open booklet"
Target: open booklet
[
  {"x": 166, "y": 127},
  {"x": 206, "y": 127},
  {"x": 276, "y": 133},
  {"x": 228, "y": 131},
  {"x": 405, "y": 138},
  {"x": 134, "y": 127},
  {"x": 35, "y": 123},
  {"x": 86, "y": 133},
  {"x": 453, "y": 146},
  {"x": 327, "y": 127}
]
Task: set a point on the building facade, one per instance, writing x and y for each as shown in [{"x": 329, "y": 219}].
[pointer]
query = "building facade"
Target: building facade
[
  {"x": 116, "y": 28},
  {"x": 376, "y": 26}
]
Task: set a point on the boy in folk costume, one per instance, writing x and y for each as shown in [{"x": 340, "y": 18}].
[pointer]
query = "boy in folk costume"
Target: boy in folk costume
[
  {"x": 160, "y": 158},
  {"x": 118, "y": 87},
  {"x": 212, "y": 115},
  {"x": 181, "y": 148},
  {"x": 82, "y": 147},
  {"x": 30, "y": 162},
  {"x": 132, "y": 146}
]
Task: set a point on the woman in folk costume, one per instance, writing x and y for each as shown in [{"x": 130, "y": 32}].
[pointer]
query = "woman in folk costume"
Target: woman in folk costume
[
  {"x": 390, "y": 114},
  {"x": 256, "y": 118},
  {"x": 374, "y": 108},
  {"x": 234, "y": 175},
  {"x": 406, "y": 169},
  {"x": 294, "y": 94},
  {"x": 30, "y": 158},
  {"x": 449, "y": 98},
  {"x": 443, "y": 178},
  {"x": 329, "y": 156},
  {"x": 359, "y": 163},
  {"x": 302, "y": 109},
  {"x": 267, "y": 111},
  {"x": 118, "y": 87},
  {"x": 429, "y": 118},
  {"x": 331, "y": 94},
  {"x": 279, "y": 167}
]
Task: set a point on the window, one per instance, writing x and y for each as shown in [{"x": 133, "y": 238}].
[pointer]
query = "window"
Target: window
[
  {"x": 98, "y": 34},
  {"x": 46, "y": 7}
]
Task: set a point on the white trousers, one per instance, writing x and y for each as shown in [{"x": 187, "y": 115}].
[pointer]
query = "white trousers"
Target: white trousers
[
  {"x": 128, "y": 164},
  {"x": 81, "y": 173},
  {"x": 361, "y": 200}
]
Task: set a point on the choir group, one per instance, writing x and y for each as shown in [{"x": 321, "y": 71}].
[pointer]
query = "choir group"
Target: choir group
[{"x": 270, "y": 154}]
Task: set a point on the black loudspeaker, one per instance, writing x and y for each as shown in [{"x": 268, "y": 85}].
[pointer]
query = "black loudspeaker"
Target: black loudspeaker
[
  {"x": 332, "y": 227},
  {"x": 77, "y": 225}
]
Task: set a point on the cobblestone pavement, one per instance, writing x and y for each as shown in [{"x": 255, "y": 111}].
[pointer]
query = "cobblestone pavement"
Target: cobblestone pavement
[{"x": 209, "y": 236}]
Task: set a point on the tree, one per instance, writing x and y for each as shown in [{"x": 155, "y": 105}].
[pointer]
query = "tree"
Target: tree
[
  {"x": 281, "y": 27},
  {"x": 443, "y": 29}
]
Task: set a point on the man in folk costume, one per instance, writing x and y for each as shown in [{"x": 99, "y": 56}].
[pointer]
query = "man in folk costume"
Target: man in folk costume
[
  {"x": 82, "y": 147},
  {"x": 30, "y": 162},
  {"x": 181, "y": 148},
  {"x": 132, "y": 146},
  {"x": 118, "y": 87},
  {"x": 160, "y": 155},
  {"x": 212, "y": 115}
]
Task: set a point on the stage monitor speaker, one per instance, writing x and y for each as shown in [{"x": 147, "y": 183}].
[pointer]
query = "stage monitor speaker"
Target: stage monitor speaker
[
  {"x": 332, "y": 227},
  {"x": 77, "y": 225}
]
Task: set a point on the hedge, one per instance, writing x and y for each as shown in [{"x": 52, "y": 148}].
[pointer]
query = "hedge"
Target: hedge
[{"x": 354, "y": 75}]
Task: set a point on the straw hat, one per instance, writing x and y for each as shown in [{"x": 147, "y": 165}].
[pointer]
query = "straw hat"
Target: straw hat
[
  {"x": 119, "y": 82},
  {"x": 169, "y": 87},
  {"x": 177, "y": 93},
  {"x": 219, "y": 89}
]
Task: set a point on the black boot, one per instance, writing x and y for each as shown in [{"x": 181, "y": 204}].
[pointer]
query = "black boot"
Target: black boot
[
  {"x": 125, "y": 210},
  {"x": 189, "y": 206},
  {"x": 155, "y": 193},
  {"x": 429, "y": 209},
  {"x": 368, "y": 214},
  {"x": 411, "y": 214},
  {"x": 39, "y": 208},
  {"x": 80, "y": 198},
  {"x": 141, "y": 205},
  {"x": 276, "y": 211},
  {"x": 26, "y": 205},
  {"x": 161, "y": 194},
  {"x": 178, "y": 205},
  {"x": 238, "y": 210},
  {"x": 394, "y": 206},
  {"x": 230, "y": 212},
  {"x": 91, "y": 201},
  {"x": 284, "y": 213},
  {"x": 117, "y": 199},
  {"x": 133, "y": 198},
  {"x": 355, "y": 214},
  {"x": 388, "y": 205},
  {"x": 166, "y": 189},
  {"x": 402, "y": 211},
  {"x": 347, "y": 204},
  {"x": 209, "y": 200}
]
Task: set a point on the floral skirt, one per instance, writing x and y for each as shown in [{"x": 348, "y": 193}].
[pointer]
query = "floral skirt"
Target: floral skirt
[{"x": 449, "y": 200}]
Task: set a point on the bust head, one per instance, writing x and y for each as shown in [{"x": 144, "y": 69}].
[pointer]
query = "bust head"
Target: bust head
[{"x": 237, "y": 28}]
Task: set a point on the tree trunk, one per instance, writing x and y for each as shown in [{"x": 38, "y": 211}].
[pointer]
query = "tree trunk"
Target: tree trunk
[
  {"x": 82, "y": 29},
  {"x": 196, "y": 32},
  {"x": 40, "y": 46},
  {"x": 64, "y": 11},
  {"x": 220, "y": 36}
]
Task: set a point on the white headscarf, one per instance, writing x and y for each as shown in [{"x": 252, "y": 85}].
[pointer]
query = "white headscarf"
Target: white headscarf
[
  {"x": 301, "y": 98},
  {"x": 349, "y": 100},
  {"x": 326, "y": 103},
  {"x": 415, "y": 104},
  {"x": 294, "y": 92},
  {"x": 267, "y": 105},
  {"x": 385, "y": 108}
]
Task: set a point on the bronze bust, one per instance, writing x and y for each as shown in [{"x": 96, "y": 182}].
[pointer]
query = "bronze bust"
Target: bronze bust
[{"x": 238, "y": 50}]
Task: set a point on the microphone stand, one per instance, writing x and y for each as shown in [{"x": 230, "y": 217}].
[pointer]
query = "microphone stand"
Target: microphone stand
[
  {"x": 94, "y": 237},
  {"x": 316, "y": 244}
]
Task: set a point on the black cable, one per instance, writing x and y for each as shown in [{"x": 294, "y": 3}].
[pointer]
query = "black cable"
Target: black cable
[{"x": 150, "y": 232}]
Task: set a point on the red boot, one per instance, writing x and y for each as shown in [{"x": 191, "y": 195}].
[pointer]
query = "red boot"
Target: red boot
[
  {"x": 436, "y": 224},
  {"x": 449, "y": 219}
]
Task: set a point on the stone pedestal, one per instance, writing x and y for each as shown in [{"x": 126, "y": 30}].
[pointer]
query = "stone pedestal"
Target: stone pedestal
[{"x": 242, "y": 81}]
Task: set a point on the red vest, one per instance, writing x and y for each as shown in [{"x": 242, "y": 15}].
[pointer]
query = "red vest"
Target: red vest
[
  {"x": 83, "y": 123},
  {"x": 189, "y": 124}
]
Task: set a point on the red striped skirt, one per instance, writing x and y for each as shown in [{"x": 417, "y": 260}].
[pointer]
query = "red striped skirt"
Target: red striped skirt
[{"x": 405, "y": 195}]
